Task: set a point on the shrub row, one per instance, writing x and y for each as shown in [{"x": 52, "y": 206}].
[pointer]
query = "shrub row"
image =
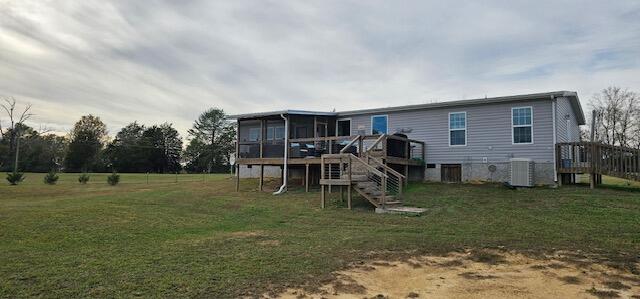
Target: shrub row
[{"x": 51, "y": 178}]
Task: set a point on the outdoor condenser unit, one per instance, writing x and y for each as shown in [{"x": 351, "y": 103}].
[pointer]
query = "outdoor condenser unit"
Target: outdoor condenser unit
[{"x": 522, "y": 171}]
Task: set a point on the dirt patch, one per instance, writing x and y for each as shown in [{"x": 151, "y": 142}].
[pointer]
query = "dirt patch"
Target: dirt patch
[
  {"x": 473, "y": 275},
  {"x": 487, "y": 257},
  {"x": 486, "y": 274},
  {"x": 616, "y": 285},
  {"x": 571, "y": 279},
  {"x": 603, "y": 294}
]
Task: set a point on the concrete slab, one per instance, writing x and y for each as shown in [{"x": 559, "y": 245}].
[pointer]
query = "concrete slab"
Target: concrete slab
[{"x": 413, "y": 211}]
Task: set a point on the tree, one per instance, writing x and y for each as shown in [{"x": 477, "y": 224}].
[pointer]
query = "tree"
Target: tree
[
  {"x": 212, "y": 141},
  {"x": 87, "y": 139},
  {"x": 617, "y": 116},
  {"x": 126, "y": 152},
  {"x": 16, "y": 124},
  {"x": 41, "y": 152},
  {"x": 163, "y": 148}
]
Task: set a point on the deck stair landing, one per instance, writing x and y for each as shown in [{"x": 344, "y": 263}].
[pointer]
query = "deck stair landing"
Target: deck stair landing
[{"x": 368, "y": 176}]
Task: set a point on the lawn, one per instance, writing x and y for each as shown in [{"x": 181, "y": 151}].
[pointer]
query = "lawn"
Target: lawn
[{"x": 200, "y": 238}]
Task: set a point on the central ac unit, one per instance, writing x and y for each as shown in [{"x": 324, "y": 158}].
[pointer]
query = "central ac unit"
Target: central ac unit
[{"x": 522, "y": 172}]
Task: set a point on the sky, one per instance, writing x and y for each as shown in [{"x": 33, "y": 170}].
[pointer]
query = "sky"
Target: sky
[{"x": 168, "y": 61}]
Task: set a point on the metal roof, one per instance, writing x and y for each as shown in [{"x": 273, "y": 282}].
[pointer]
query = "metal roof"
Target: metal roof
[
  {"x": 571, "y": 95},
  {"x": 288, "y": 112}
]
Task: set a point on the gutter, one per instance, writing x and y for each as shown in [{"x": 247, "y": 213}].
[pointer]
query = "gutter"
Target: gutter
[
  {"x": 555, "y": 162},
  {"x": 283, "y": 188}
]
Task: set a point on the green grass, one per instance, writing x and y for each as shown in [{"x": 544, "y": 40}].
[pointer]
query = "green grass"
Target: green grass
[{"x": 199, "y": 238}]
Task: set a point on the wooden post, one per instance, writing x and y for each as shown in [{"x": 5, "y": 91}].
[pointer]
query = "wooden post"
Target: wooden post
[
  {"x": 262, "y": 137},
  {"x": 322, "y": 196},
  {"x": 350, "y": 186},
  {"x": 406, "y": 176},
  {"x": 341, "y": 193},
  {"x": 321, "y": 184},
  {"x": 306, "y": 177},
  {"x": 261, "y": 184},
  {"x": 282, "y": 174},
  {"x": 237, "y": 177}
]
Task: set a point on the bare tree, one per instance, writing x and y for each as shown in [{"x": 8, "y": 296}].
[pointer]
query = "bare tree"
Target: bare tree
[
  {"x": 16, "y": 124},
  {"x": 617, "y": 111}
]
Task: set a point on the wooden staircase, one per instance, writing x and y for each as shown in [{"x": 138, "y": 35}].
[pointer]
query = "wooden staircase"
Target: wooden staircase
[{"x": 378, "y": 183}]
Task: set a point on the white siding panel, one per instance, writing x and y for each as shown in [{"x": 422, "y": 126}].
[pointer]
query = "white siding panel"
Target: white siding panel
[
  {"x": 564, "y": 112},
  {"x": 488, "y": 132}
]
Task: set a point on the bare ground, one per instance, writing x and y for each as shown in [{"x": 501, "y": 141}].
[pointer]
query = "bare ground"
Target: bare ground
[{"x": 480, "y": 274}]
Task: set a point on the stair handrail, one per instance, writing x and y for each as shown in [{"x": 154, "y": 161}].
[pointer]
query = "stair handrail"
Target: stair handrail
[
  {"x": 382, "y": 137},
  {"x": 369, "y": 167},
  {"x": 354, "y": 140},
  {"x": 389, "y": 169}
]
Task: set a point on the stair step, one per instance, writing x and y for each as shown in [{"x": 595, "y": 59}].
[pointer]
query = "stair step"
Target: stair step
[{"x": 358, "y": 178}]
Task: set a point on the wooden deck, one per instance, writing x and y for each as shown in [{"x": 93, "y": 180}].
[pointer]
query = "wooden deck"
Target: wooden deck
[
  {"x": 597, "y": 159},
  {"x": 327, "y": 152}
]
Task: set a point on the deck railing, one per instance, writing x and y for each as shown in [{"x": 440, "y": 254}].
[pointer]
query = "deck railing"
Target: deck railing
[
  {"x": 380, "y": 146},
  {"x": 598, "y": 158}
]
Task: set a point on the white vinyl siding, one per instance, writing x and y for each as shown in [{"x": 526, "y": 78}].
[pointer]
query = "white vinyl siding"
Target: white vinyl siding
[{"x": 489, "y": 132}]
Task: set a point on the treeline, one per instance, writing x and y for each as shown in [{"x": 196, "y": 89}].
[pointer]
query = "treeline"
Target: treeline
[
  {"x": 617, "y": 120},
  {"x": 135, "y": 148}
]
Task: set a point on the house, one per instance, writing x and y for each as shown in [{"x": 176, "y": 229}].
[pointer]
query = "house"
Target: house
[{"x": 450, "y": 141}]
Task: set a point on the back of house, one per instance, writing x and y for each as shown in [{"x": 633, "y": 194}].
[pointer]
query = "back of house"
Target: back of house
[{"x": 464, "y": 140}]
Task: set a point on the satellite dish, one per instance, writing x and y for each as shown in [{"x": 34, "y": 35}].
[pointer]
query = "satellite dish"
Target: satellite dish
[{"x": 492, "y": 168}]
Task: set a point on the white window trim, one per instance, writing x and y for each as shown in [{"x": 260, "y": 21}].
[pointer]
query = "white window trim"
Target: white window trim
[
  {"x": 520, "y": 126},
  {"x": 379, "y": 115},
  {"x": 465, "y": 128},
  {"x": 350, "y": 125}
]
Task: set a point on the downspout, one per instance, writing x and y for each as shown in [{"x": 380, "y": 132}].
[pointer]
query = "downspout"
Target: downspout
[
  {"x": 283, "y": 188},
  {"x": 555, "y": 162}
]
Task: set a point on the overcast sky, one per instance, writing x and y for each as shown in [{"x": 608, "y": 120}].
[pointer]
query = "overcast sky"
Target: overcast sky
[{"x": 167, "y": 61}]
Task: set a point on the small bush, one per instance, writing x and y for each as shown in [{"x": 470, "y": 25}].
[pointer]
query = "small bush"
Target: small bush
[
  {"x": 51, "y": 178},
  {"x": 15, "y": 178},
  {"x": 113, "y": 179},
  {"x": 83, "y": 178}
]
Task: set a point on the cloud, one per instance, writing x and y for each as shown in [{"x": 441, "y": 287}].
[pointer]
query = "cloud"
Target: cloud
[{"x": 167, "y": 61}]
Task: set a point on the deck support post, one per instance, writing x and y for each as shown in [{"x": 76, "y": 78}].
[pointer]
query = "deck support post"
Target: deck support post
[
  {"x": 341, "y": 193},
  {"x": 237, "y": 177},
  {"x": 322, "y": 196},
  {"x": 306, "y": 177},
  {"x": 349, "y": 197},
  {"x": 261, "y": 184},
  {"x": 592, "y": 180},
  {"x": 406, "y": 175},
  {"x": 282, "y": 174}
]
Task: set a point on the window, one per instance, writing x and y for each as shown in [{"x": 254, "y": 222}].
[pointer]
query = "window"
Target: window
[
  {"x": 279, "y": 133},
  {"x": 344, "y": 127},
  {"x": 457, "y": 128},
  {"x": 254, "y": 134},
  {"x": 379, "y": 124},
  {"x": 522, "y": 125},
  {"x": 275, "y": 133}
]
